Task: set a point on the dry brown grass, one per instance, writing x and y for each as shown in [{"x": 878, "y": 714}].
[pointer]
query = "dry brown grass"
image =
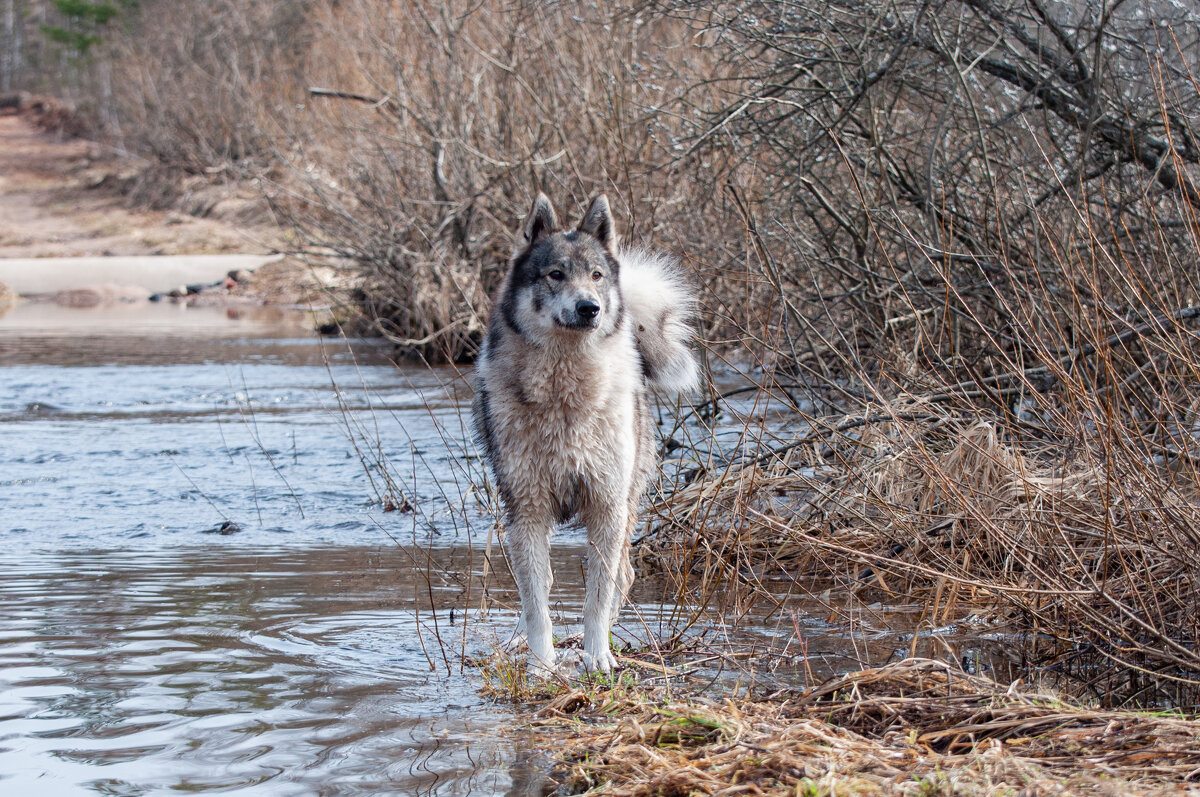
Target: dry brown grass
[
  {"x": 915, "y": 727},
  {"x": 1085, "y": 552}
]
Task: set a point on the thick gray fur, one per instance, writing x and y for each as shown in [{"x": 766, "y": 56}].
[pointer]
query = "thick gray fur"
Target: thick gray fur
[{"x": 580, "y": 332}]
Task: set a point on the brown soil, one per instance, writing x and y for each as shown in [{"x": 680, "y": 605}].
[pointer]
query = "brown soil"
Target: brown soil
[
  {"x": 65, "y": 197},
  {"x": 56, "y": 201}
]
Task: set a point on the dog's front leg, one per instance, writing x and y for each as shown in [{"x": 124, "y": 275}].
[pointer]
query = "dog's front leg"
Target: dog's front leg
[
  {"x": 529, "y": 551},
  {"x": 606, "y": 545}
]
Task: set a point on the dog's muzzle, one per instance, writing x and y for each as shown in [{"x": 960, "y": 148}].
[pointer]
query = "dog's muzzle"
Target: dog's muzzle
[{"x": 586, "y": 315}]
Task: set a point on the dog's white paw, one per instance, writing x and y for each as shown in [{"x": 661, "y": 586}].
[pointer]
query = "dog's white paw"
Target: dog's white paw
[
  {"x": 598, "y": 661},
  {"x": 542, "y": 661},
  {"x": 538, "y": 670}
]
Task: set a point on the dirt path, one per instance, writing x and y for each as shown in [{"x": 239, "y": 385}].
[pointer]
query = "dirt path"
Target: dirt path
[
  {"x": 54, "y": 202},
  {"x": 71, "y": 235}
]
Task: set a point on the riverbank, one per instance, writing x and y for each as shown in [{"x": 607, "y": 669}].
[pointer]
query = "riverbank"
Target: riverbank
[
  {"x": 914, "y": 727},
  {"x": 61, "y": 197},
  {"x": 74, "y": 231}
]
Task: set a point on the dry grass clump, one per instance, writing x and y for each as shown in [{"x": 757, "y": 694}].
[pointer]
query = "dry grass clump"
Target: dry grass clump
[
  {"x": 53, "y": 115},
  {"x": 915, "y": 727},
  {"x": 1089, "y": 559}
]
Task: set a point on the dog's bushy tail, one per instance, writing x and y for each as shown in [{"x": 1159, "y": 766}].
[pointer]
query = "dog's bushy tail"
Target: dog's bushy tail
[{"x": 662, "y": 304}]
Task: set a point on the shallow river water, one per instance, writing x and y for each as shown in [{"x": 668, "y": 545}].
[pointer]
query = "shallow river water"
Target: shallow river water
[
  {"x": 142, "y": 652},
  {"x": 201, "y": 588}
]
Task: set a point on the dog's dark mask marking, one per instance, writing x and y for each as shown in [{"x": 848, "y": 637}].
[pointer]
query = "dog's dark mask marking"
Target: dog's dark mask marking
[{"x": 577, "y": 254}]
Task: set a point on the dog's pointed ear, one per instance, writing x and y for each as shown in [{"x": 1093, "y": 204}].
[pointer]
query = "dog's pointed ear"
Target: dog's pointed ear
[
  {"x": 542, "y": 220},
  {"x": 598, "y": 223}
]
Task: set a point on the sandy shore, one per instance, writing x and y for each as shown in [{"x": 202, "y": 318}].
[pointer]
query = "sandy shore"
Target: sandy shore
[
  {"x": 129, "y": 276},
  {"x": 67, "y": 232}
]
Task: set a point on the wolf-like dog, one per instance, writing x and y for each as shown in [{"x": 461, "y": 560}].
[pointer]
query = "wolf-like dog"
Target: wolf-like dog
[{"x": 579, "y": 333}]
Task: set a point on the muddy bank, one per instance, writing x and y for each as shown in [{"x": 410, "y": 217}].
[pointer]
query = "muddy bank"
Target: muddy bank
[
  {"x": 119, "y": 277},
  {"x": 59, "y": 198}
]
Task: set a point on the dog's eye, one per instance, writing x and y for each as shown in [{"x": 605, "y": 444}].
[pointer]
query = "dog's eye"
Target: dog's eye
[
  {"x": 556, "y": 275},
  {"x": 597, "y": 276}
]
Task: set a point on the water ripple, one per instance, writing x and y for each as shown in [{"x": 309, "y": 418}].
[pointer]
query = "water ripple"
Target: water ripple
[{"x": 272, "y": 670}]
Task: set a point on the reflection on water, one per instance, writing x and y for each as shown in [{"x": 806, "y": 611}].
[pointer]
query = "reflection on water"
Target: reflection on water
[
  {"x": 307, "y": 671},
  {"x": 138, "y": 333}
]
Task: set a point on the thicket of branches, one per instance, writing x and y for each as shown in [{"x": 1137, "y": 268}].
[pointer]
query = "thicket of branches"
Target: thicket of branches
[
  {"x": 952, "y": 179},
  {"x": 429, "y": 130},
  {"x": 975, "y": 225},
  {"x": 957, "y": 238}
]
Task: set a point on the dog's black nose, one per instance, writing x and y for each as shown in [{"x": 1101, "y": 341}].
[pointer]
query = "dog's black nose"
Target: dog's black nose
[{"x": 587, "y": 309}]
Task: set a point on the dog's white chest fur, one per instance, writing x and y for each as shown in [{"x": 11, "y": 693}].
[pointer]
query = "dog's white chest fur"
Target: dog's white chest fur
[{"x": 564, "y": 411}]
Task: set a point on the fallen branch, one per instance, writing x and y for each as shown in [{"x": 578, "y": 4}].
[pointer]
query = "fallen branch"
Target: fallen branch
[{"x": 378, "y": 102}]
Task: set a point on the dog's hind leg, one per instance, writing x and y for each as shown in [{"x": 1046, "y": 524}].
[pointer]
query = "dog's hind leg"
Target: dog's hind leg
[
  {"x": 624, "y": 576},
  {"x": 529, "y": 551},
  {"x": 624, "y": 567}
]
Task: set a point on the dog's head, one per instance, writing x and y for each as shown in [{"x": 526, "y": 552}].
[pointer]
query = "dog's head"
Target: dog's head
[{"x": 565, "y": 283}]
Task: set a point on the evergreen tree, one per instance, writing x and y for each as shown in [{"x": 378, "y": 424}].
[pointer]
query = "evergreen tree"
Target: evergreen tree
[{"x": 82, "y": 21}]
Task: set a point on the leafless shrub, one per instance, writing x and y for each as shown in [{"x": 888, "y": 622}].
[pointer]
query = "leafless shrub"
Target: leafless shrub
[
  {"x": 977, "y": 224},
  {"x": 430, "y": 128},
  {"x": 198, "y": 87}
]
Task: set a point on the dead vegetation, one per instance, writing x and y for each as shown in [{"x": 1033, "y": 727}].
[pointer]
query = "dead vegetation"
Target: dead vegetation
[
  {"x": 1090, "y": 562},
  {"x": 972, "y": 325},
  {"x": 47, "y": 113},
  {"x": 916, "y": 727}
]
